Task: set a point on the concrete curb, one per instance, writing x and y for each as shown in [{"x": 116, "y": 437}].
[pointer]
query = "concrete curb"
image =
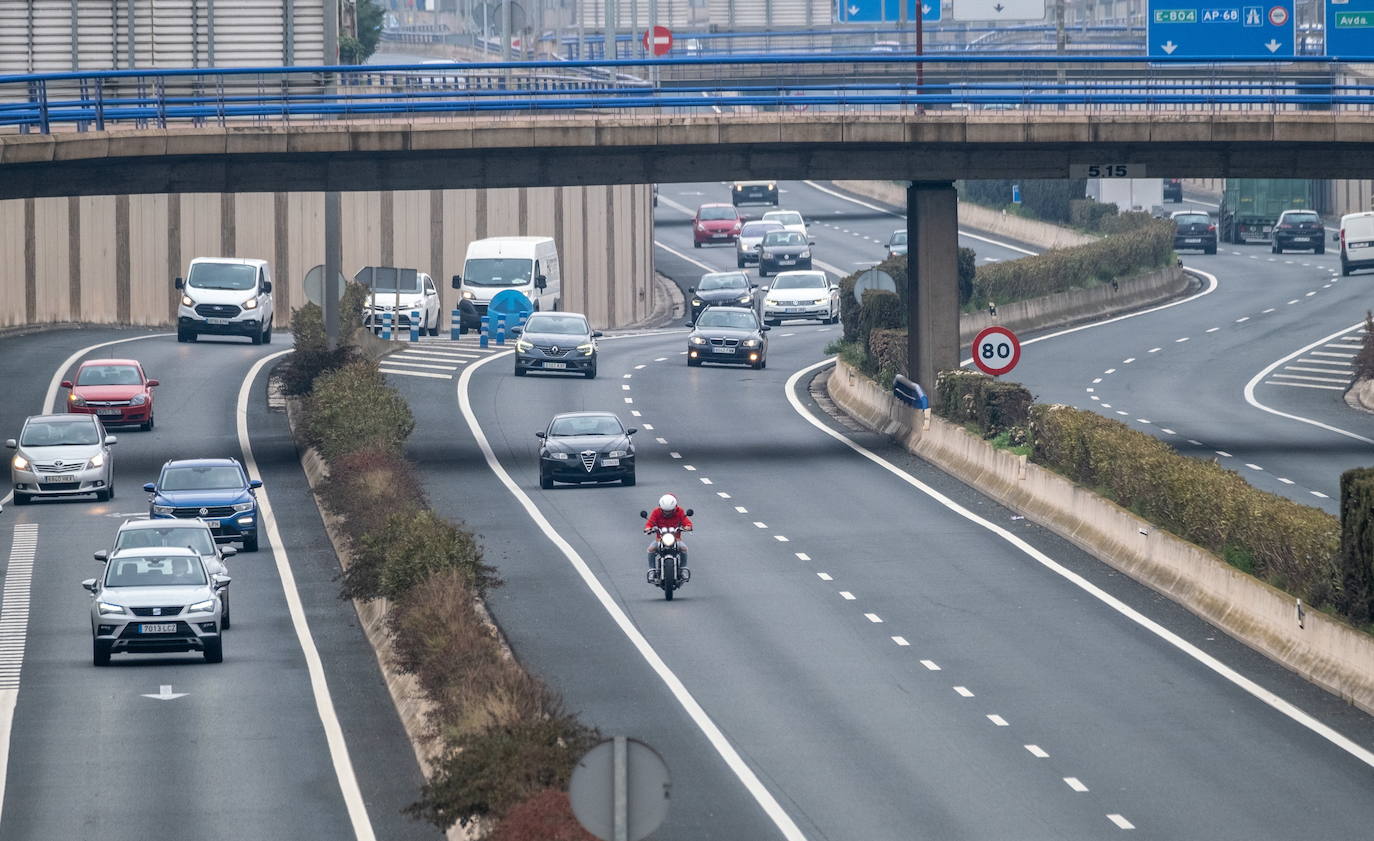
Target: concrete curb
[
  {"x": 1361, "y": 396},
  {"x": 1325, "y": 651}
]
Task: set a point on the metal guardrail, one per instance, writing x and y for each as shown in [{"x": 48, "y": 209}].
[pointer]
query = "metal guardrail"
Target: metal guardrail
[{"x": 141, "y": 98}]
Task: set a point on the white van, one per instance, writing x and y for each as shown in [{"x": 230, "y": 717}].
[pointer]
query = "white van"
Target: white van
[
  {"x": 1357, "y": 241},
  {"x": 225, "y": 296},
  {"x": 526, "y": 264},
  {"x": 400, "y": 291}
]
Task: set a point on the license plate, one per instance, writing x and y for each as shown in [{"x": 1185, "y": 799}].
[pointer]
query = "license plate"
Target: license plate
[
  {"x": 217, "y": 321},
  {"x": 159, "y": 628},
  {"x": 1267, "y": 229},
  {"x": 1192, "y": 241},
  {"x": 610, "y": 462},
  {"x": 1300, "y": 239},
  {"x": 108, "y": 412},
  {"x": 793, "y": 309},
  {"x": 718, "y": 236},
  {"x": 786, "y": 262},
  {"x": 1355, "y": 245},
  {"x": 723, "y": 349},
  {"x": 213, "y": 524},
  {"x": 558, "y": 366}
]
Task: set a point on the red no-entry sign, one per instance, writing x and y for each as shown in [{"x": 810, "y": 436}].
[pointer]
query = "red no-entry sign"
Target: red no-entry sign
[
  {"x": 658, "y": 40},
  {"x": 996, "y": 350}
]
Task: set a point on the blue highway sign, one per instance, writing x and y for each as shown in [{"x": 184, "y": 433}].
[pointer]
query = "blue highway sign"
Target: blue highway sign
[
  {"x": 890, "y": 11},
  {"x": 1220, "y": 28},
  {"x": 1350, "y": 27}
]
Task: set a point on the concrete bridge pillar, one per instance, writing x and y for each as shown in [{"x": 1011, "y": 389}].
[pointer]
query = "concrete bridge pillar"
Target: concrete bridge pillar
[{"x": 932, "y": 299}]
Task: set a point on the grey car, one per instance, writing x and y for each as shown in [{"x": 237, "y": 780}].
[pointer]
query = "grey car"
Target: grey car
[
  {"x": 783, "y": 250},
  {"x": 155, "y": 600},
  {"x": 556, "y": 341},
  {"x": 747, "y": 246},
  {"x": 896, "y": 244},
  {"x": 162, "y": 533},
  {"x": 62, "y": 455}
]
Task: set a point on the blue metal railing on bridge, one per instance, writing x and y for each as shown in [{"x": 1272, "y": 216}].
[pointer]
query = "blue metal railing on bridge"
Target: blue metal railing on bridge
[{"x": 140, "y": 98}]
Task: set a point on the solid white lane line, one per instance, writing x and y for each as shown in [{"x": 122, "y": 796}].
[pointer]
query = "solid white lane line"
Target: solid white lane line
[
  {"x": 319, "y": 683},
  {"x": 802, "y": 556},
  {"x": 901, "y": 641},
  {"x": 873, "y": 617},
  {"x": 1075, "y": 784},
  {"x": 405, "y": 373},
  {"x": 14, "y": 629},
  {"x": 824, "y": 576},
  {"x": 689, "y": 703},
  {"x": 963, "y": 691},
  {"x": 1249, "y": 686},
  {"x": 1121, "y": 822},
  {"x": 1037, "y": 752},
  {"x": 847, "y": 596},
  {"x": 931, "y": 665},
  {"x": 998, "y": 720},
  {"x": 688, "y": 258}
]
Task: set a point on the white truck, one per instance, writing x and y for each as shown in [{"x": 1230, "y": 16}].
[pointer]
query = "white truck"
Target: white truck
[
  {"x": 528, "y": 265},
  {"x": 1145, "y": 194}
]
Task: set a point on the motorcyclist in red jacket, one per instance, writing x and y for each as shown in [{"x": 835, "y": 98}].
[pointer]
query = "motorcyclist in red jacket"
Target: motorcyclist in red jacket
[{"x": 670, "y": 514}]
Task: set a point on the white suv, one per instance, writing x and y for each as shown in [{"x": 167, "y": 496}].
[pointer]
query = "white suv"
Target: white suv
[{"x": 225, "y": 296}]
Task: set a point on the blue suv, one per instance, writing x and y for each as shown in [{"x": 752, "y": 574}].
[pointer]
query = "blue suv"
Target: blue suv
[{"x": 216, "y": 490}]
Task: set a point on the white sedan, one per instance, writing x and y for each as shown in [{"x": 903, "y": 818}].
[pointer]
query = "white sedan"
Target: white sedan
[
  {"x": 790, "y": 220},
  {"x": 802, "y": 294}
]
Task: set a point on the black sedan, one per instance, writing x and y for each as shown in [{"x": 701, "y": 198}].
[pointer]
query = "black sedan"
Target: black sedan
[
  {"x": 583, "y": 447},
  {"x": 728, "y": 334},
  {"x": 556, "y": 341},
  {"x": 781, "y": 250},
  {"x": 729, "y": 289},
  {"x": 1194, "y": 229},
  {"x": 1300, "y": 229}
]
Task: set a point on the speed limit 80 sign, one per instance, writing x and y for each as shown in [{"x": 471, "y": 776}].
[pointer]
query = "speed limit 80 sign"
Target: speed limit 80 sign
[{"x": 996, "y": 350}]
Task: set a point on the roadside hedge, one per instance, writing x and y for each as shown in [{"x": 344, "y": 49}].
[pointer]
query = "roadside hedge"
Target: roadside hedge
[
  {"x": 352, "y": 408},
  {"x": 312, "y": 356},
  {"x": 1049, "y": 199},
  {"x": 992, "y": 406},
  {"x": 1357, "y": 545}
]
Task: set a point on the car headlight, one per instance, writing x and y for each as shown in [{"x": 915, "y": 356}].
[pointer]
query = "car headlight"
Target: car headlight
[
  {"x": 586, "y": 349},
  {"x": 697, "y": 340},
  {"x": 822, "y": 301},
  {"x": 750, "y": 342},
  {"x": 617, "y": 454},
  {"x": 76, "y": 399},
  {"x": 19, "y": 462},
  {"x": 250, "y": 304},
  {"x": 522, "y": 345},
  {"x": 163, "y": 509},
  {"x": 805, "y": 254},
  {"x": 110, "y": 609},
  {"x": 467, "y": 295},
  {"x": 207, "y": 606},
  {"x": 138, "y": 400},
  {"x": 697, "y": 302},
  {"x": 746, "y": 299},
  {"x": 559, "y": 456},
  {"x": 186, "y": 301},
  {"x": 97, "y": 460},
  {"x": 243, "y": 506}
]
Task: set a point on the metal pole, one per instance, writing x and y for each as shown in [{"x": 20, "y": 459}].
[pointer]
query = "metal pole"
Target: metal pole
[
  {"x": 1060, "y": 43},
  {"x": 331, "y": 36},
  {"x": 920, "y": 50},
  {"x": 76, "y": 29},
  {"x": 505, "y": 41},
  {"x": 129, "y": 43},
  {"x": 333, "y": 264},
  {"x": 611, "y": 50},
  {"x": 288, "y": 41}
]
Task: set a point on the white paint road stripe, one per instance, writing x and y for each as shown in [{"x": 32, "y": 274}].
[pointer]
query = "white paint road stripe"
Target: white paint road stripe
[
  {"x": 1121, "y": 822},
  {"x": 1037, "y": 752},
  {"x": 14, "y": 631},
  {"x": 1255, "y": 380},
  {"x": 1306, "y": 385},
  {"x": 405, "y": 373},
  {"x": 1254, "y": 689},
  {"x": 391, "y": 360},
  {"x": 319, "y": 684},
  {"x": 771, "y": 807},
  {"x": 1075, "y": 784}
]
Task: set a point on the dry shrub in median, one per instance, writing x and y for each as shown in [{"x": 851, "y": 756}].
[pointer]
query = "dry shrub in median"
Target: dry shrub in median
[
  {"x": 544, "y": 816},
  {"x": 352, "y": 408},
  {"x": 407, "y": 549},
  {"x": 366, "y": 487}
]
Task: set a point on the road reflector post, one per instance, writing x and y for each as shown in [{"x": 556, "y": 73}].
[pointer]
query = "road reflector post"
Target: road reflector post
[
  {"x": 484, "y": 330},
  {"x": 455, "y": 324},
  {"x": 386, "y": 326},
  {"x": 415, "y": 325},
  {"x": 501, "y": 329}
]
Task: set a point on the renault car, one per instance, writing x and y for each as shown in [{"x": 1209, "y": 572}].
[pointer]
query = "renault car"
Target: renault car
[{"x": 556, "y": 341}]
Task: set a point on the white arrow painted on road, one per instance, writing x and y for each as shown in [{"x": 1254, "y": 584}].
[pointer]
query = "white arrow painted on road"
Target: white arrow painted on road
[
  {"x": 165, "y": 693},
  {"x": 1168, "y": 47},
  {"x": 1273, "y": 45}
]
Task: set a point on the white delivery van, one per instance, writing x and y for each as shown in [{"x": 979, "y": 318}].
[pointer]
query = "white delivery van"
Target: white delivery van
[
  {"x": 225, "y": 296},
  {"x": 526, "y": 264},
  {"x": 1357, "y": 242}
]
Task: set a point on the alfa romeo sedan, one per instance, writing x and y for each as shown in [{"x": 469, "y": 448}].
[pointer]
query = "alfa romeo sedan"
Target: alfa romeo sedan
[{"x": 580, "y": 447}]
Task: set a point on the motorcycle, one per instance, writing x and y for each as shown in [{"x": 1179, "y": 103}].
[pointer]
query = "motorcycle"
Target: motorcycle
[{"x": 668, "y": 573}]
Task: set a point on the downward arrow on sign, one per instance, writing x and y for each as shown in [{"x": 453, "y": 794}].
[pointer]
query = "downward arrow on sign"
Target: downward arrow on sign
[
  {"x": 854, "y": 10},
  {"x": 1168, "y": 47},
  {"x": 165, "y": 693},
  {"x": 999, "y": 7},
  {"x": 925, "y": 9},
  {"x": 1273, "y": 45}
]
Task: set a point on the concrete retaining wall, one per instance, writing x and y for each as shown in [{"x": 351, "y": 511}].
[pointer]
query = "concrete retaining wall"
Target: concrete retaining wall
[
  {"x": 111, "y": 259},
  {"x": 1323, "y": 650}
]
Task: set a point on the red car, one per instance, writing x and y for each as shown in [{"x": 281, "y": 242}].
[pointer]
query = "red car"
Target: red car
[
  {"x": 115, "y": 390},
  {"x": 716, "y": 223}
]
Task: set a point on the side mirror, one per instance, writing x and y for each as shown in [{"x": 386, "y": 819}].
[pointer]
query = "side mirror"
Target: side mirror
[
  {"x": 179, "y": 283},
  {"x": 11, "y": 443},
  {"x": 254, "y": 484},
  {"x": 152, "y": 383},
  {"x": 150, "y": 487},
  {"x": 596, "y": 334},
  {"x": 89, "y": 585},
  {"x": 811, "y": 242},
  {"x": 690, "y": 512},
  {"x": 644, "y": 515},
  {"x": 66, "y": 383},
  {"x": 540, "y": 282},
  {"x": 267, "y": 287},
  {"x": 632, "y": 430},
  {"x": 1336, "y": 237},
  {"x": 515, "y": 331},
  {"x": 102, "y": 556},
  {"x": 689, "y": 324},
  {"x": 228, "y": 552},
  {"x": 753, "y": 286},
  {"x": 457, "y": 282},
  {"x": 765, "y": 328},
  {"x": 541, "y": 435},
  {"x": 111, "y": 440},
  {"x": 221, "y": 581},
  {"x": 766, "y": 288}
]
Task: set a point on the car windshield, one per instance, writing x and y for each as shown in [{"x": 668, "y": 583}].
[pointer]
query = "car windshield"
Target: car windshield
[
  {"x": 800, "y": 281},
  {"x": 723, "y": 280},
  {"x": 389, "y": 279},
  {"x": 1192, "y": 218},
  {"x": 59, "y": 434},
  {"x": 899, "y": 238},
  {"x": 723, "y": 212},
  {"x": 195, "y": 538},
  {"x": 784, "y": 238},
  {"x": 758, "y": 229},
  {"x": 585, "y": 425},
  {"x": 498, "y": 271},
  {"x": 222, "y": 276},
  {"x": 109, "y": 375},
  {"x": 1302, "y": 217},
  {"x": 726, "y": 318},
  {"x": 791, "y": 218},
  {"x": 155, "y": 571},
  {"x": 221, "y": 477},
  {"x": 565, "y": 325}
]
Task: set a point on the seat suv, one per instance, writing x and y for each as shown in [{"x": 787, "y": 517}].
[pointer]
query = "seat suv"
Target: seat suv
[
  {"x": 216, "y": 490},
  {"x": 163, "y": 534},
  {"x": 155, "y": 600}
]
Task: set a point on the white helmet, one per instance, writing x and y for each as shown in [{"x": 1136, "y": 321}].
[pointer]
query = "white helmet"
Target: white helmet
[{"x": 668, "y": 503}]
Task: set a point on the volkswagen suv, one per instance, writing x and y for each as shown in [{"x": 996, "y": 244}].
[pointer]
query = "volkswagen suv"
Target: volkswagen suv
[{"x": 215, "y": 490}]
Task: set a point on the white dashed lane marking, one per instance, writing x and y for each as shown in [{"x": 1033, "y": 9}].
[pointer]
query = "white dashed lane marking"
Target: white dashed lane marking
[
  {"x": 931, "y": 665},
  {"x": 1121, "y": 822},
  {"x": 824, "y": 576},
  {"x": 802, "y": 556},
  {"x": 901, "y": 641},
  {"x": 847, "y": 596},
  {"x": 1074, "y": 784},
  {"x": 963, "y": 691},
  {"x": 1037, "y": 752},
  {"x": 998, "y": 720},
  {"x": 873, "y": 617}
]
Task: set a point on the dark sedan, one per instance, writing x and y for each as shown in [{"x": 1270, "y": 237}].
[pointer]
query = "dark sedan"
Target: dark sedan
[
  {"x": 1300, "y": 229},
  {"x": 1194, "y": 229},
  {"x": 586, "y": 447},
  {"x": 728, "y": 334},
  {"x": 556, "y": 341},
  {"x": 730, "y": 289},
  {"x": 782, "y": 250}
]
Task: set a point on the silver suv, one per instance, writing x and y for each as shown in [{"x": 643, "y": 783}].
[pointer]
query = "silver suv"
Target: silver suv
[
  {"x": 155, "y": 600},
  {"x": 192, "y": 534},
  {"x": 62, "y": 455}
]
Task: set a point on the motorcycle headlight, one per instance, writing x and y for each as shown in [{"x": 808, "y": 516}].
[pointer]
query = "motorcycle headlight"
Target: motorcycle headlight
[
  {"x": 243, "y": 506},
  {"x": 97, "y": 460},
  {"x": 186, "y": 301},
  {"x": 697, "y": 340},
  {"x": 617, "y": 454},
  {"x": 522, "y": 345},
  {"x": 110, "y": 609},
  {"x": 207, "y": 606},
  {"x": 250, "y": 304},
  {"x": 138, "y": 400},
  {"x": 19, "y": 462},
  {"x": 163, "y": 509},
  {"x": 669, "y": 539},
  {"x": 76, "y": 399},
  {"x": 467, "y": 295},
  {"x": 586, "y": 349},
  {"x": 750, "y": 342},
  {"x": 746, "y": 299},
  {"x": 559, "y": 456}
]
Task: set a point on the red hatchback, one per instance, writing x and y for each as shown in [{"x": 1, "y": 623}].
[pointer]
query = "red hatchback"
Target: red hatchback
[
  {"x": 716, "y": 223},
  {"x": 114, "y": 390}
]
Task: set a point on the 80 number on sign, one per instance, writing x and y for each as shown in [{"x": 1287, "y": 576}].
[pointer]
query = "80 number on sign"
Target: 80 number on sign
[{"x": 996, "y": 350}]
